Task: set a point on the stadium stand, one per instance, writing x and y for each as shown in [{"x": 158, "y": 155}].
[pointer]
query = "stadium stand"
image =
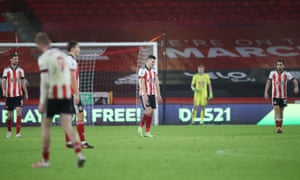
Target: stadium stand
[
  {"x": 7, "y": 36},
  {"x": 6, "y": 31},
  {"x": 158, "y": 10},
  {"x": 184, "y": 21},
  {"x": 101, "y": 14}
]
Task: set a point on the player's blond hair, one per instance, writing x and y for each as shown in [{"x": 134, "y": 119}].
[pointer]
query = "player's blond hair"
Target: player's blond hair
[
  {"x": 42, "y": 38},
  {"x": 201, "y": 65}
]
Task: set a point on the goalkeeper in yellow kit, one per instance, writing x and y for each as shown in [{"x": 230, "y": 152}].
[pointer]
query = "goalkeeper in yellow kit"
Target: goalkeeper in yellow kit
[{"x": 200, "y": 84}]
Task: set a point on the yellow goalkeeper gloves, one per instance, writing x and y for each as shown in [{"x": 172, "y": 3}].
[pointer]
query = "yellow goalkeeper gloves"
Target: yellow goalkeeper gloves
[
  {"x": 210, "y": 95},
  {"x": 194, "y": 89}
]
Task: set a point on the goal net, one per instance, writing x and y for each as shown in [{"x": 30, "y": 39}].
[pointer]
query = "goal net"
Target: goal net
[{"x": 108, "y": 76}]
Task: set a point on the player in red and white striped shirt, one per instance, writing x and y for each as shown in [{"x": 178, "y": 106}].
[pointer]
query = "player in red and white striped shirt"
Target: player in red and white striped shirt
[
  {"x": 55, "y": 96},
  {"x": 278, "y": 79},
  {"x": 74, "y": 50},
  {"x": 13, "y": 80},
  {"x": 149, "y": 91}
]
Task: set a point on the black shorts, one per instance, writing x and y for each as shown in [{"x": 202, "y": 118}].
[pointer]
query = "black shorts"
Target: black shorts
[
  {"x": 12, "y": 102},
  {"x": 151, "y": 102},
  {"x": 58, "y": 106},
  {"x": 279, "y": 102},
  {"x": 76, "y": 107}
]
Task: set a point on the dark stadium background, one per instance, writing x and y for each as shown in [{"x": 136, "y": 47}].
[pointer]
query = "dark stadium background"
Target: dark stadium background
[{"x": 224, "y": 24}]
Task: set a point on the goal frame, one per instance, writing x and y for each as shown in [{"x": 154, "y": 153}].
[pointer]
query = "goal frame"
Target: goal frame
[{"x": 93, "y": 45}]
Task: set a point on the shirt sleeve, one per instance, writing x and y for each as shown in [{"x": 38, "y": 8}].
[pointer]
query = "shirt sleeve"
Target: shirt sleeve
[
  {"x": 4, "y": 75},
  {"x": 44, "y": 79},
  {"x": 72, "y": 63},
  {"x": 193, "y": 80},
  {"x": 42, "y": 65},
  {"x": 22, "y": 74},
  {"x": 141, "y": 73},
  {"x": 270, "y": 75},
  {"x": 208, "y": 80},
  {"x": 290, "y": 76}
]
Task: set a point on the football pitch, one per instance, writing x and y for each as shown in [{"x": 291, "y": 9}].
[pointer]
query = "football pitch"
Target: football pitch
[{"x": 209, "y": 152}]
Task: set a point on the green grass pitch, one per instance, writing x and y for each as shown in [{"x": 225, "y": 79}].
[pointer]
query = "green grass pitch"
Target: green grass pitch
[{"x": 210, "y": 152}]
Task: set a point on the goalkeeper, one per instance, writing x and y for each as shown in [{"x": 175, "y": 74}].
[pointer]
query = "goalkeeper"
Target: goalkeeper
[{"x": 200, "y": 83}]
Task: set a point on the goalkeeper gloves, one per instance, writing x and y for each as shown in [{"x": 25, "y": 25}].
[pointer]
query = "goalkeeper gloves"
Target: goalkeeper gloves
[
  {"x": 210, "y": 95},
  {"x": 194, "y": 89}
]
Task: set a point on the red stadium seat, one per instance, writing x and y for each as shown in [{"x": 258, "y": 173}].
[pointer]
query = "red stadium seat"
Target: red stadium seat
[{"x": 242, "y": 11}]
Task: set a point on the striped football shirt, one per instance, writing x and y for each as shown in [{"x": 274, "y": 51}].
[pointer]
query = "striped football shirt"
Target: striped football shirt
[
  {"x": 73, "y": 67},
  {"x": 279, "y": 83},
  {"x": 149, "y": 76},
  {"x": 13, "y": 79},
  {"x": 54, "y": 63}
]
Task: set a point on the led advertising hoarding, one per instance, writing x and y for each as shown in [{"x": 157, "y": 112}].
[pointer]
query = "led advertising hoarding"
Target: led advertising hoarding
[{"x": 261, "y": 114}]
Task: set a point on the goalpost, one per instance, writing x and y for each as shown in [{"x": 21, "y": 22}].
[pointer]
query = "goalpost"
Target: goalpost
[{"x": 108, "y": 71}]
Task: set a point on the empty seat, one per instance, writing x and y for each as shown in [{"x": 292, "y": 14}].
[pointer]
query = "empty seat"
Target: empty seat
[{"x": 166, "y": 10}]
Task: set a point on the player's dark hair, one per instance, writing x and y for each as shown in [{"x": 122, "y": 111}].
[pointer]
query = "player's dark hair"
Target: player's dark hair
[
  {"x": 15, "y": 54},
  {"x": 282, "y": 61},
  {"x": 151, "y": 57},
  {"x": 71, "y": 45}
]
